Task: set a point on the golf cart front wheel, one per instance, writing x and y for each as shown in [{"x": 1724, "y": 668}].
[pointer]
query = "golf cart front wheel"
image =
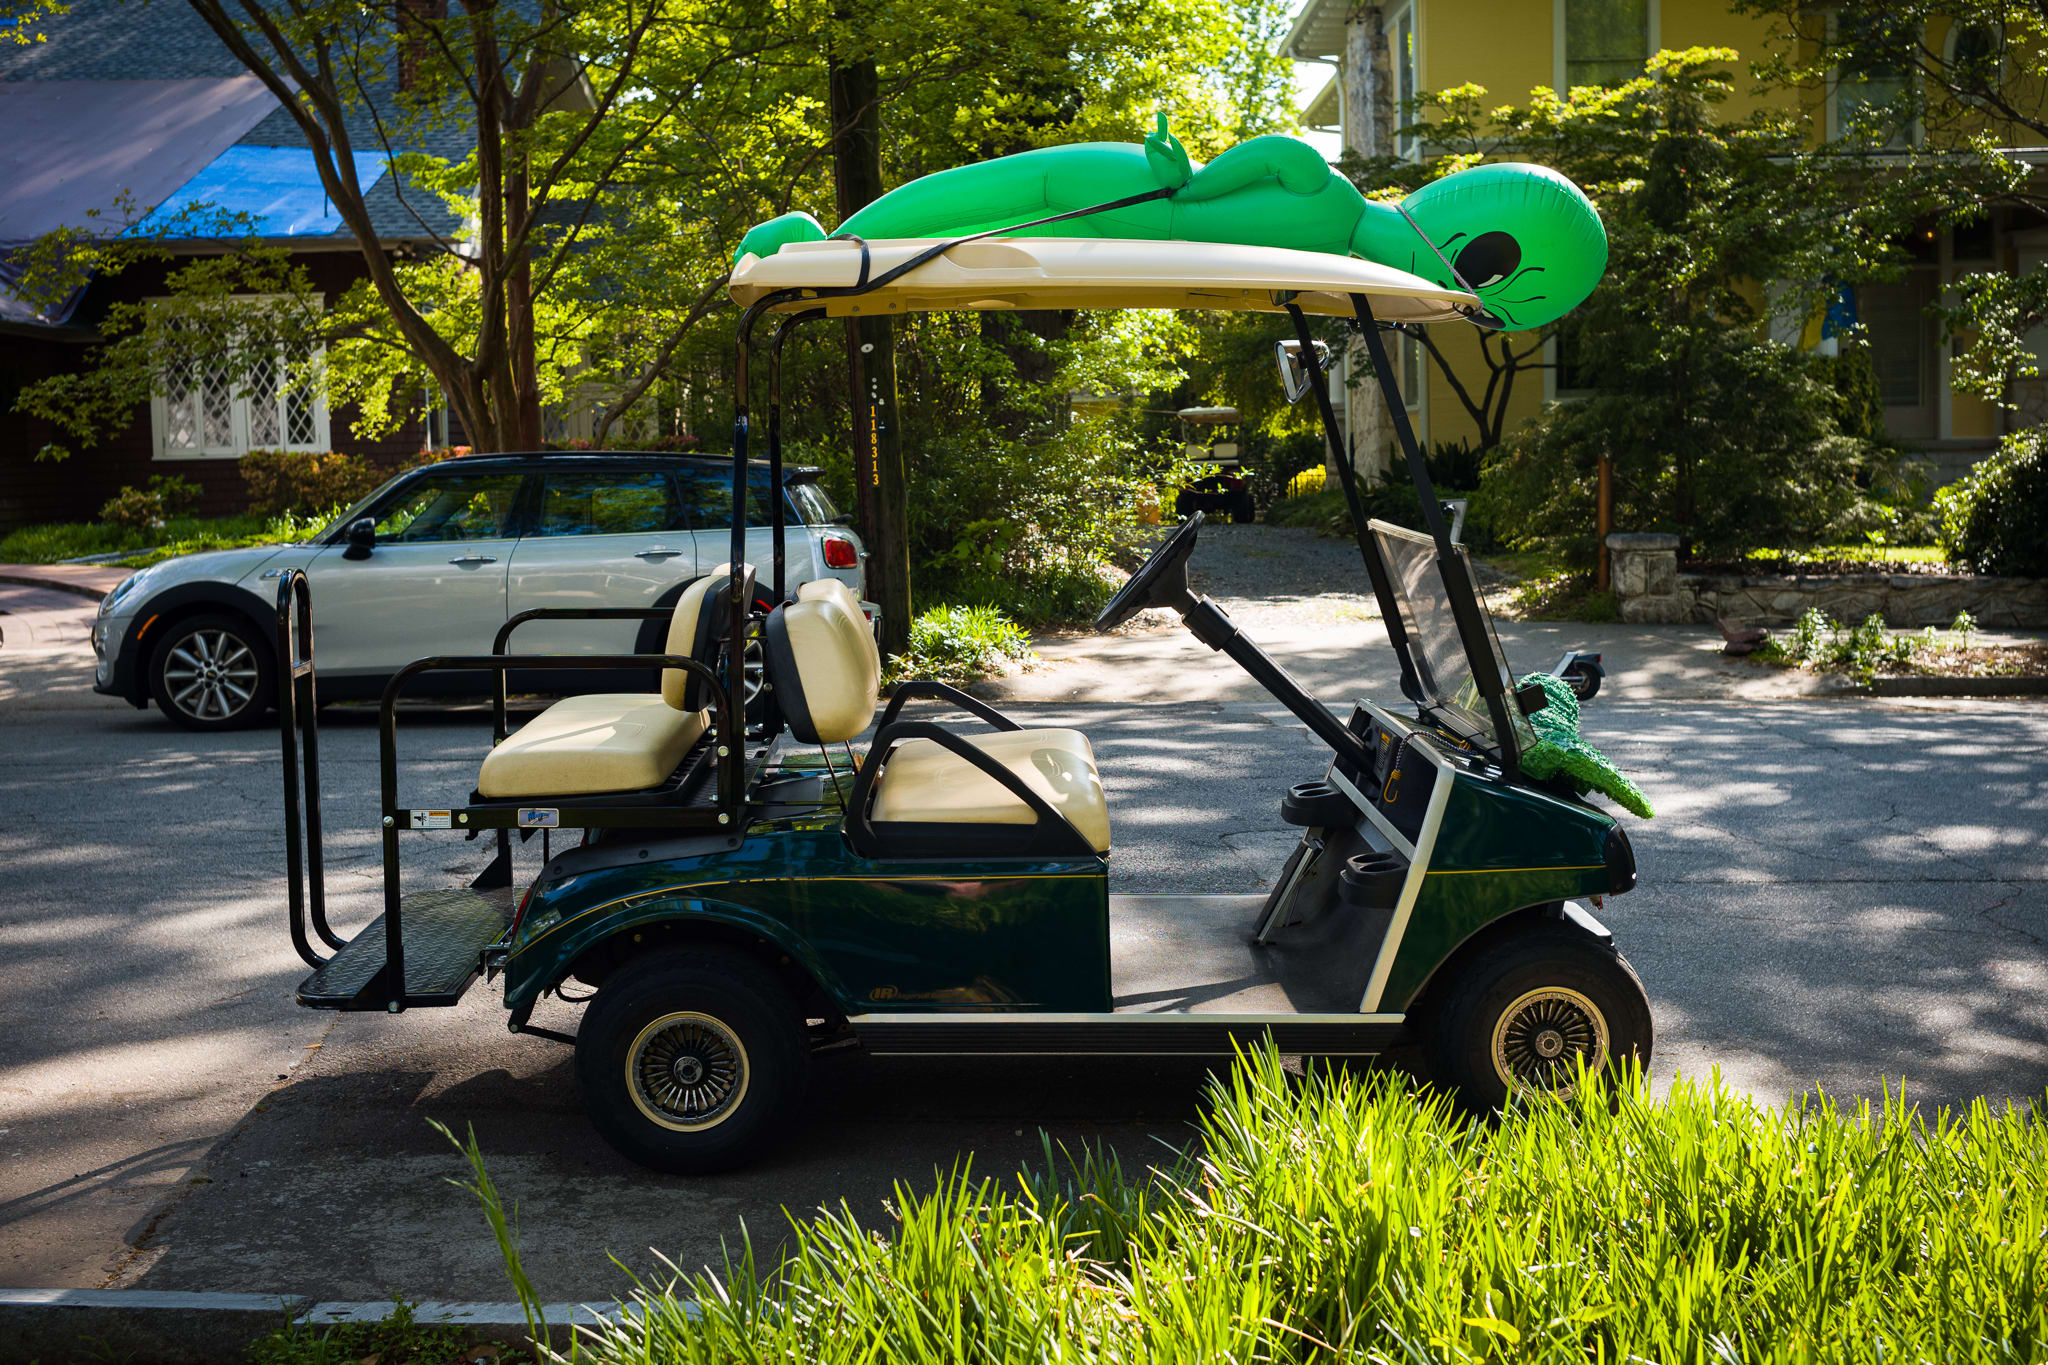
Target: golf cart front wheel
[
  {"x": 691, "y": 1061},
  {"x": 1524, "y": 1015}
]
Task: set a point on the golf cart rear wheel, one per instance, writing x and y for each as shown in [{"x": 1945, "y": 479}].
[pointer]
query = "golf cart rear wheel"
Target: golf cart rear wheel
[
  {"x": 691, "y": 1061},
  {"x": 1521, "y": 1016},
  {"x": 212, "y": 672}
]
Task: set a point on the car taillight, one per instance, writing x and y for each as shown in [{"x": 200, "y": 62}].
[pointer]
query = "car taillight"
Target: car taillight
[{"x": 840, "y": 553}]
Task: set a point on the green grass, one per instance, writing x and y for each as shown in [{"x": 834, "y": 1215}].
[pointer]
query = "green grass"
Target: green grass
[
  {"x": 1866, "y": 554},
  {"x": 398, "y": 1340},
  {"x": 1336, "y": 1219},
  {"x": 959, "y": 645},
  {"x": 51, "y": 542}
]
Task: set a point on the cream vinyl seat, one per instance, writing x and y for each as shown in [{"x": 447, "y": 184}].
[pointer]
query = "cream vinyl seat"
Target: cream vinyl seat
[
  {"x": 618, "y": 741},
  {"x": 922, "y": 788}
]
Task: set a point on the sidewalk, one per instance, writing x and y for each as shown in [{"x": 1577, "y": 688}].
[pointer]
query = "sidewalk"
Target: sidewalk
[
  {"x": 43, "y": 619},
  {"x": 85, "y": 580}
]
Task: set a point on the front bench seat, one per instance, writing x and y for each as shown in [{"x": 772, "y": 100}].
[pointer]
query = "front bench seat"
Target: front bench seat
[
  {"x": 924, "y": 791},
  {"x": 619, "y": 741}
]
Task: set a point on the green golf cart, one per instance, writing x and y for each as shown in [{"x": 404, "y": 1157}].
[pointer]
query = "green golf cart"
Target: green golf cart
[{"x": 745, "y": 893}]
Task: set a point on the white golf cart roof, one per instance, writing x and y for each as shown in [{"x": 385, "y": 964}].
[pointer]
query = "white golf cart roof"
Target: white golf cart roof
[{"x": 1074, "y": 272}]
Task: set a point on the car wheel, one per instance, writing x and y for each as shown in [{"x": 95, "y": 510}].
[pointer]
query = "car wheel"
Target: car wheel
[
  {"x": 212, "y": 672},
  {"x": 691, "y": 1061},
  {"x": 1523, "y": 1014}
]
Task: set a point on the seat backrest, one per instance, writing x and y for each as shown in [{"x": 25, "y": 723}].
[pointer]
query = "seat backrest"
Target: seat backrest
[
  {"x": 833, "y": 590},
  {"x": 823, "y": 663},
  {"x": 695, "y": 630}
]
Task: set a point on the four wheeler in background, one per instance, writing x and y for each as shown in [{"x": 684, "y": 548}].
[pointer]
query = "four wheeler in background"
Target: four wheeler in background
[{"x": 1209, "y": 439}]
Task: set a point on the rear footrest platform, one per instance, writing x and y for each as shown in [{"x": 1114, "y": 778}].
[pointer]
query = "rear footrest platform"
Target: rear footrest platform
[{"x": 444, "y": 934}]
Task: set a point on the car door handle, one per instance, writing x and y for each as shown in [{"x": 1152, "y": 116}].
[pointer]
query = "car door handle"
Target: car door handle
[
  {"x": 656, "y": 553},
  {"x": 474, "y": 559}
]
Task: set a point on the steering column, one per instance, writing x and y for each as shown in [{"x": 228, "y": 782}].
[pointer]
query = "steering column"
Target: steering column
[{"x": 1162, "y": 581}]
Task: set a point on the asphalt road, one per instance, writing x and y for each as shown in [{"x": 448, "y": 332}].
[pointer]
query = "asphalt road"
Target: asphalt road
[{"x": 1836, "y": 894}]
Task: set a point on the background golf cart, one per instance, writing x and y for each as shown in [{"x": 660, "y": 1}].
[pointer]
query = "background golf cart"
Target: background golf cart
[{"x": 1209, "y": 439}]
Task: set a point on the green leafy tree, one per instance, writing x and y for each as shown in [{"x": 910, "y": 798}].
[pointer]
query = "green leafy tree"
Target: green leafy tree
[
  {"x": 565, "y": 107},
  {"x": 1714, "y": 430}
]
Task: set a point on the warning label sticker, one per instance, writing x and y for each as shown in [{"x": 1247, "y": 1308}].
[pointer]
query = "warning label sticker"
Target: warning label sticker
[{"x": 433, "y": 819}]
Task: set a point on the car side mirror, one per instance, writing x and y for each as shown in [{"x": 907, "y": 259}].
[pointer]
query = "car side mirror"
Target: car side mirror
[
  {"x": 362, "y": 538},
  {"x": 1294, "y": 372}
]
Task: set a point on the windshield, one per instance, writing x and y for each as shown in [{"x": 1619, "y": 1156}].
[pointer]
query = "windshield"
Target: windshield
[{"x": 1441, "y": 664}]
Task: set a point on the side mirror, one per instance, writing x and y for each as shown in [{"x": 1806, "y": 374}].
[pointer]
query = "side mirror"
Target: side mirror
[
  {"x": 362, "y": 538},
  {"x": 1294, "y": 372}
]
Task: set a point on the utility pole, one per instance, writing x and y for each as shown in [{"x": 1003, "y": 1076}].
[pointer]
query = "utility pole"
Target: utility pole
[
  {"x": 883, "y": 503},
  {"x": 1368, "y": 90}
]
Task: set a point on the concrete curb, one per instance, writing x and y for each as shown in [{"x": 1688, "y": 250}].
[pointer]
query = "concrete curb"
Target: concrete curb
[
  {"x": 57, "y": 582},
  {"x": 2029, "y": 686},
  {"x": 157, "y": 1327}
]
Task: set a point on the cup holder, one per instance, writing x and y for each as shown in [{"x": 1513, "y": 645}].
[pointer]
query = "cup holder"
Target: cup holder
[
  {"x": 1372, "y": 880},
  {"x": 1316, "y": 805}
]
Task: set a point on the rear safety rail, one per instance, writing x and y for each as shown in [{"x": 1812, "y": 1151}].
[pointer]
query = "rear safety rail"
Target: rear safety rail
[
  {"x": 299, "y": 729},
  {"x": 429, "y": 946}
]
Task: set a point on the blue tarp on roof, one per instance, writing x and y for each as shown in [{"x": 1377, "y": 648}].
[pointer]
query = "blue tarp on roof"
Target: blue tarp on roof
[{"x": 276, "y": 186}]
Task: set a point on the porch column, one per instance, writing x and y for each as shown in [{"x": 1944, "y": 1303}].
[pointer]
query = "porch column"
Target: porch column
[{"x": 1367, "y": 87}]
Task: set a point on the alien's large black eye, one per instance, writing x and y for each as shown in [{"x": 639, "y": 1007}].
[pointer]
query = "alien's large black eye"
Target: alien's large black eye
[{"x": 1489, "y": 258}]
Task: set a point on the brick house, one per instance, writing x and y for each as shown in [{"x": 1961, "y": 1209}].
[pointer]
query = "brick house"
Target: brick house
[{"x": 145, "y": 103}]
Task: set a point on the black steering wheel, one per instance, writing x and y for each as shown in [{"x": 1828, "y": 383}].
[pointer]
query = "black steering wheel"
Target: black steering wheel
[{"x": 1162, "y": 581}]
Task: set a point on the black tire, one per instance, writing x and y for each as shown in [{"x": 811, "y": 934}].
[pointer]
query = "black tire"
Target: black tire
[
  {"x": 1584, "y": 680},
  {"x": 213, "y": 671},
  {"x": 1243, "y": 511},
  {"x": 1527, "y": 1006},
  {"x": 727, "y": 1018}
]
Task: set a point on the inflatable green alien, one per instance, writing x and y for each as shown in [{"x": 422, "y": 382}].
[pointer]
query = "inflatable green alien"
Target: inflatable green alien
[{"x": 1523, "y": 238}]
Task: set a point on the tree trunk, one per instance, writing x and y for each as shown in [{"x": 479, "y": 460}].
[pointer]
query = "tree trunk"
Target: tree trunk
[
  {"x": 523, "y": 411},
  {"x": 1368, "y": 90},
  {"x": 871, "y": 357}
]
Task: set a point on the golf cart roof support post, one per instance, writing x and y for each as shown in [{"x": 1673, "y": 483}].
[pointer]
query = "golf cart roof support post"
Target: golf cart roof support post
[
  {"x": 1473, "y": 633},
  {"x": 775, "y": 490},
  {"x": 733, "y": 716},
  {"x": 1347, "y": 477}
]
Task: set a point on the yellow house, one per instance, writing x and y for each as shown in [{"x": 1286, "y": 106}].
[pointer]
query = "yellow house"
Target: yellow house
[{"x": 1512, "y": 47}]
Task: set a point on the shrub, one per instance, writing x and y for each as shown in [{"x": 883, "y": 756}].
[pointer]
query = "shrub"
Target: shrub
[
  {"x": 1335, "y": 1218},
  {"x": 1996, "y": 518},
  {"x": 302, "y": 480},
  {"x": 1308, "y": 481},
  {"x": 146, "y": 509},
  {"x": 960, "y": 644}
]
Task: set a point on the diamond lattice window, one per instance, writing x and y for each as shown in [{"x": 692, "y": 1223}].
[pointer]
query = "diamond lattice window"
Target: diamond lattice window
[{"x": 211, "y": 404}]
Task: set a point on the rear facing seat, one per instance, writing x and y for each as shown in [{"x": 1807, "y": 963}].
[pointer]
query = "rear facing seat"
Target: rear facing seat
[
  {"x": 923, "y": 791},
  {"x": 619, "y": 741}
]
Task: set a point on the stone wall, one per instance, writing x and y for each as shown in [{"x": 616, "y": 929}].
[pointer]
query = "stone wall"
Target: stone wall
[{"x": 1648, "y": 587}]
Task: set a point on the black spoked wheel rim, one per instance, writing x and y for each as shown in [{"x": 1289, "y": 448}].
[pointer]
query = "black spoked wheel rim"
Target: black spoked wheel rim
[
  {"x": 1542, "y": 1038},
  {"x": 210, "y": 674},
  {"x": 687, "y": 1071}
]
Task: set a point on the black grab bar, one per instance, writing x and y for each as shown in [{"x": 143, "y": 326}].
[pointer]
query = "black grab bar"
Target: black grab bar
[{"x": 298, "y": 724}]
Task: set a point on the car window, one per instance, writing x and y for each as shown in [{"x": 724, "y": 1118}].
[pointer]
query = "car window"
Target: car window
[
  {"x": 474, "y": 506},
  {"x": 609, "y": 504},
  {"x": 707, "y": 499},
  {"x": 813, "y": 503}
]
